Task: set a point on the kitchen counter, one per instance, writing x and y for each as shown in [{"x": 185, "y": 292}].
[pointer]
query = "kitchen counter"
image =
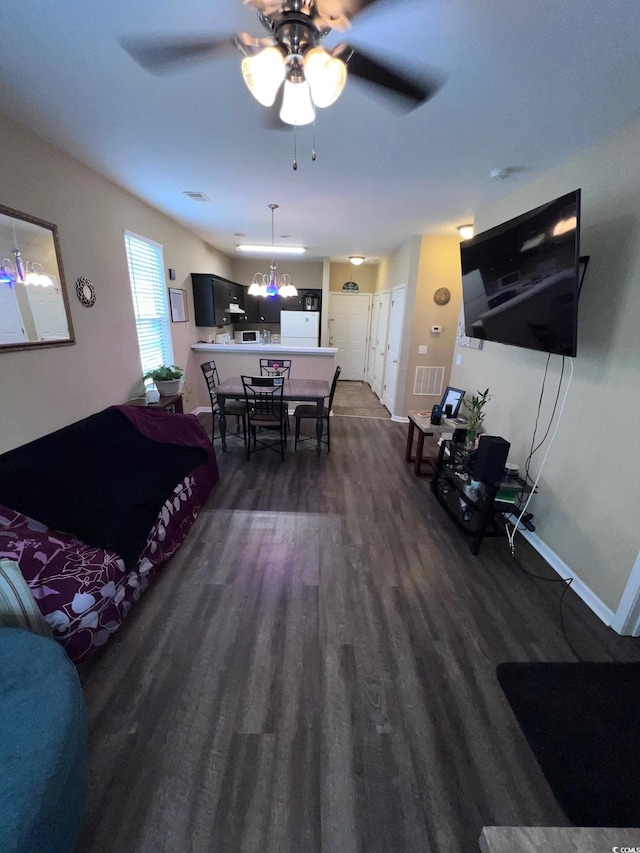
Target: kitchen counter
[
  {"x": 265, "y": 349},
  {"x": 244, "y": 359}
]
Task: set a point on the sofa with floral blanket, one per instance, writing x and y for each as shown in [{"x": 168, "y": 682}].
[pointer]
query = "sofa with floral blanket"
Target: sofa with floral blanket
[{"x": 91, "y": 511}]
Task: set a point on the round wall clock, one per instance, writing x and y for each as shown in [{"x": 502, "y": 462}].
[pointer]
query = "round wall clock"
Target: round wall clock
[
  {"x": 85, "y": 291},
  {"x": 442, "y": 296}
]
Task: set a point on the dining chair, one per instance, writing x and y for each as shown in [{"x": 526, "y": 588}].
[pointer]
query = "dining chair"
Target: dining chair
[
  {"x": 277, "y": 367},
  {"x": 238, "y": 408},
  {"x": 307, "y": 411},
  {"x": 265, "y": 411}
]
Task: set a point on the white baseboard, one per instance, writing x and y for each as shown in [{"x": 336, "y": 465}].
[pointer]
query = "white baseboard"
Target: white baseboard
[
  {"x": 201, "y": 410},
  {"x": 604, "y": 613},
  {"x": 399, "y": 419}
]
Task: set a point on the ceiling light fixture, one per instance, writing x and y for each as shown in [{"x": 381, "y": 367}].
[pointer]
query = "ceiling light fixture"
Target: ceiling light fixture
[
  {"x": 356, "y": 260},
  {"x": 313, "y": 80},
  {"x": 269, "y": 285},
  {"x": 281, "y": 250},
  {"x": 465, "y": 231}
]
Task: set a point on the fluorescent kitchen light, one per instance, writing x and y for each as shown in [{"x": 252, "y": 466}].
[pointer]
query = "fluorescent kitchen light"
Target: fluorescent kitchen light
[{"x": 278, "y": 250}]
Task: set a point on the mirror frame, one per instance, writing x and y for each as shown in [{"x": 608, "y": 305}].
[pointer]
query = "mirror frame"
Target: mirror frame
[{"x": 49, "y": 226}]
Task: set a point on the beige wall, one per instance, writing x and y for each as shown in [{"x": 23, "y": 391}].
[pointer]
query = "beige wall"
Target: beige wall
[
  {"x": 439, "y": 266},
  {"x": 46, "y": 389},
  {"x": 365, "y": 276},
  {"x": 587, "y": 507}
]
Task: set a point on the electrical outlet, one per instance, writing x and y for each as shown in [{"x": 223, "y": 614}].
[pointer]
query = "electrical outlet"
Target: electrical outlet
[
  {"x": 422, "y": 350},
  {"x": 458, "y": 358}
]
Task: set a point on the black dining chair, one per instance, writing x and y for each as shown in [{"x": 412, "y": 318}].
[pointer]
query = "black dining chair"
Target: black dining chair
[
  {"x": 265, "y": 411},
  {"x": 307, "y": 411},
  {"x": 237, "y": 408},
  {"x": 276, "y": 367}
]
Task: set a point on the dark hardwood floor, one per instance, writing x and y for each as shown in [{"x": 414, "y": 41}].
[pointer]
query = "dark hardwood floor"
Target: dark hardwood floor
[{"x": 315, "y": 669}]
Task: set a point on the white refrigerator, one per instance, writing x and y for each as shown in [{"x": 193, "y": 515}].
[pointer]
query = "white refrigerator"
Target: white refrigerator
[{"x": 299, "y": 328}]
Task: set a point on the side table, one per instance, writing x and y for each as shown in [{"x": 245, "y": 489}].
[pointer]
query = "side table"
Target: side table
[
  {"x": 424, "y": 426},
  {"x": 168, "y": 403}
]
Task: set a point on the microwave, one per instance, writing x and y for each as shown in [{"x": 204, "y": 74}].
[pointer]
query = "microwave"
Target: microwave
[{"x": 247, "y": 336}]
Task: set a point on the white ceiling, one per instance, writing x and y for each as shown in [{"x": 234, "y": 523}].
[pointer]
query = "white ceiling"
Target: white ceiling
[{"x": 527, "y": 85}]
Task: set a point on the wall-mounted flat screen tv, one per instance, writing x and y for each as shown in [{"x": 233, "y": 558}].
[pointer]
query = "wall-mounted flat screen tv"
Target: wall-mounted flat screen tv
[{"x": 520, "y": 280}]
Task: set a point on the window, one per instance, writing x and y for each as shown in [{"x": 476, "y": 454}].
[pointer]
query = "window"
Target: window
[{"x": 146, "y": 273}]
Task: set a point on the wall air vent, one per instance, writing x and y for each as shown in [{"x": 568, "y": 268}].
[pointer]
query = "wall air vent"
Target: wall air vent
[
  {"x": 428, "y": 381},
  {"x": 195, "y": 196}
]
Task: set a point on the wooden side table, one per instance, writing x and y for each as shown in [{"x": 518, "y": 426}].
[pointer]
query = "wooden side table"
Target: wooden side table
[
  {"x": 424, "y": 426},
  {"x": 168, "y": 403}
]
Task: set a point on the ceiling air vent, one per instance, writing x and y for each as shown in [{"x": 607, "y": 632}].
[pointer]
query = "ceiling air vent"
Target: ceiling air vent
[
  {"x": 194, "y": 196},
  {"x": 428, "y": 381}
]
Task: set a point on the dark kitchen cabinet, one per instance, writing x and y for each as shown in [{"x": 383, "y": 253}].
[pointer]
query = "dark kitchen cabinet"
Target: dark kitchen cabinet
[
  {"x": 212, "y": 296},
  {"x": 261, "y": 309}
]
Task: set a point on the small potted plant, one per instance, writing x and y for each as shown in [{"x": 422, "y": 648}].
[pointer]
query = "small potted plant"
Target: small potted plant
[
  {"x": 166, "y": 378},
  {"x": 474, "y": 413}
]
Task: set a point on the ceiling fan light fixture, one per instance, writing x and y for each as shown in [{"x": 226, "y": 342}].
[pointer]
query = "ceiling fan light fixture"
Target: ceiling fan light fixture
[
  {"x": 263, "y": 73},
  {"x": 356, "y": 260},
  {"x": 466, "y": 231},
  {"x": 297, "y": 106},
  {"x": 326, "y": 76}
]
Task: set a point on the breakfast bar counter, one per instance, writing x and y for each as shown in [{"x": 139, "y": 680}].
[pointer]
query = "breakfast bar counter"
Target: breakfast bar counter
[
  {"x": 244, "y": 359},
  {"x": 264, "y": 350}
]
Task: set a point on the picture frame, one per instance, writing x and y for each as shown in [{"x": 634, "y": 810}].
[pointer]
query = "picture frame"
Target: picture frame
[{"x": 178, "y": 305}]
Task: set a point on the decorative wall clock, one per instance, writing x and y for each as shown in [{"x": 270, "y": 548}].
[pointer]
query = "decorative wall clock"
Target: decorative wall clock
[
  {"x": 442, "y": 296},
  {"x": 85, "y": 291}
]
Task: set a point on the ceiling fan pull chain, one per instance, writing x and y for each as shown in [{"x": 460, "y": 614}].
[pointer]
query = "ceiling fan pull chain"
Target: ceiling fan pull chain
[
  {"x": 295, "y": 148},
  {"x": 313, "y": 149}
]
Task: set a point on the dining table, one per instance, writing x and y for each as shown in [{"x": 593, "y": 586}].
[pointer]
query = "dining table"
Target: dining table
[{"x": 301, "y": 390}]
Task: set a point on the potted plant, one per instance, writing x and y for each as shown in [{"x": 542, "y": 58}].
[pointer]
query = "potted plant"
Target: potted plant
[
  {"x": 166, "y": 378},
  {"x": 475, "y": 413}
]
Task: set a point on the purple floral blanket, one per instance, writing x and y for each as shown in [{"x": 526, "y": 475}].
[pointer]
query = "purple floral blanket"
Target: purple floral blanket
[{"x": 85, "y": 592}]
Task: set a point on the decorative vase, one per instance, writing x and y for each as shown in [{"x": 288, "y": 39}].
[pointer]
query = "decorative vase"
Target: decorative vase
[{"x": 168, "y": 387}]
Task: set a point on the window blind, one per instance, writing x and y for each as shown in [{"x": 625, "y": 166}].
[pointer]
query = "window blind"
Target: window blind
[{"x": 146, "y": 274}]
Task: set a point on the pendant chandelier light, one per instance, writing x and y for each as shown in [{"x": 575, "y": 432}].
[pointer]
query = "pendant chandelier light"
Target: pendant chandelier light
[
  {"x": 269, "y": 285},
  {"x": 25, "y": 272}
]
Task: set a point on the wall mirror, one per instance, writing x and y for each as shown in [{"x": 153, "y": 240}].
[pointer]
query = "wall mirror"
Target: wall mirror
[{"x": 34, "y": 307}]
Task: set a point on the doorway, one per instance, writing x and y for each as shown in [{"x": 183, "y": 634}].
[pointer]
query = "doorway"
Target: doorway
[{"x": 349, "y": 332}]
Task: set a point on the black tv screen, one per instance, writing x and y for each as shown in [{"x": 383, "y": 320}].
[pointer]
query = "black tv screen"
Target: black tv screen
[{"x": 520, "y": 280}]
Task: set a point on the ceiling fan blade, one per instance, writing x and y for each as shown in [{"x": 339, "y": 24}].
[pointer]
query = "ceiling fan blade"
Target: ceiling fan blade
[
  {"x": 337, "y": 14},
  {"x": 413, "y": 90},
  {"x": 162, "y": 54}
]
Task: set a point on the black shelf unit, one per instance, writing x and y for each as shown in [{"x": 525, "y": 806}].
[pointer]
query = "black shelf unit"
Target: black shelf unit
[{"x": 476, "y": 512}]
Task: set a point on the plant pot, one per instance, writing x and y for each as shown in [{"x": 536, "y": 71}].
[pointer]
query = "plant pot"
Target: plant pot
[{"x": 168, "y": 387}]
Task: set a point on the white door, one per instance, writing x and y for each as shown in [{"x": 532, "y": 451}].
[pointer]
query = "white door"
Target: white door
[
  {"x": 394, "y": 343},
  {"x": 348, "y": 332},
  {"x": 11, "y": 328},
  {"x": 48, "y": 312},
  {"x": 381, "y": 343}
]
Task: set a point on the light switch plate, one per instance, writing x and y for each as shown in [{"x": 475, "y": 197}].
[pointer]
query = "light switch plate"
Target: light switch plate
[
  {"x": 422, "y": 350},
  {"x": 458, "y": 358}
]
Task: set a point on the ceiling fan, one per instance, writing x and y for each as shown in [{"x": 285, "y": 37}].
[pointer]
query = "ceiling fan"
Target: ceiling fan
[{"x": 289, "y": 70}]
